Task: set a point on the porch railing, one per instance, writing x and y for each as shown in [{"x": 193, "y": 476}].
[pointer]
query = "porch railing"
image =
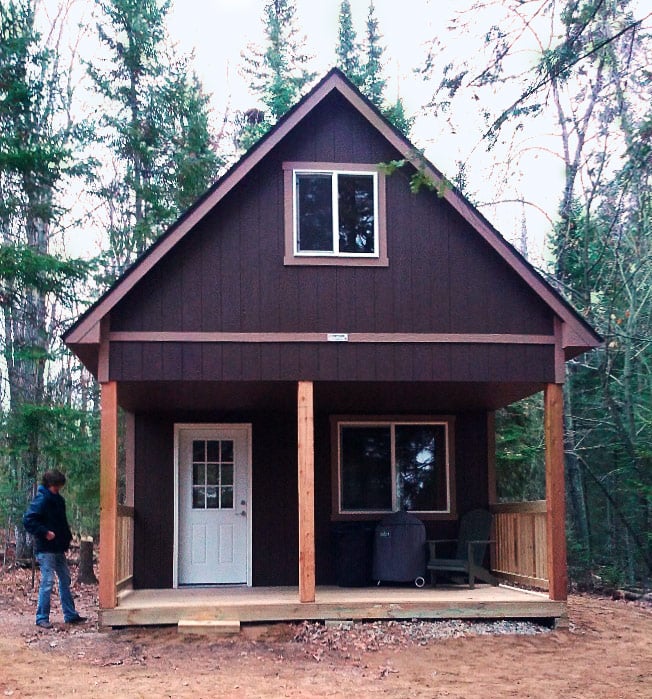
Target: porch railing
[
  {"x": 125, "y": 547},
  {"x": 520, "y": 552}
]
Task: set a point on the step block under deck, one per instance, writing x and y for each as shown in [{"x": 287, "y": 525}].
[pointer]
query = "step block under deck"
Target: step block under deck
[{"x": 209, "y": 627}]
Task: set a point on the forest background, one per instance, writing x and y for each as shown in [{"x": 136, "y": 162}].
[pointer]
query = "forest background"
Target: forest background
[{"x": 539, "y": 111}]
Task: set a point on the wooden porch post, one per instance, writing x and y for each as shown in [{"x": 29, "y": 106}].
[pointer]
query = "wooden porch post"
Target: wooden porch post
[
  {"x": 555, "y": 491},
  {"x": 108, "y": 493},
  {"x": 306, "y": 484}
]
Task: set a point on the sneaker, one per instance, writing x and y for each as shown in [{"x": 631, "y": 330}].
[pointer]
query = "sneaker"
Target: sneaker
[
  {"x": 76, "y": 620},
  {"x": 44, "y": 624}
]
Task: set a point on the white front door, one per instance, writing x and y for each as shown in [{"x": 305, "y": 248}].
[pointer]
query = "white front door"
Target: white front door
[{"x": 213, "y": 499}]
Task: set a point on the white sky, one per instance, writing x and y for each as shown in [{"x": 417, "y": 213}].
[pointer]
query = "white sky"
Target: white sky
[{"x": 218, "y": 30}]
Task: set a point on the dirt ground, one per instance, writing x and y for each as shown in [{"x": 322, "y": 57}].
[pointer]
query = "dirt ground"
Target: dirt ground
[{"x": 605, "y": 654}]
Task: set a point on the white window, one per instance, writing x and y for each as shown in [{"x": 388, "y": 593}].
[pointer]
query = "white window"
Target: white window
[
  {"x": 335, "y": 213},
  {"x": 384, "y": 466}
]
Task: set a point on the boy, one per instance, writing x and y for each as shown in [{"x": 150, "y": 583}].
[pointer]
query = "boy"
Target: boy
[{"x": 46, "y": 521}]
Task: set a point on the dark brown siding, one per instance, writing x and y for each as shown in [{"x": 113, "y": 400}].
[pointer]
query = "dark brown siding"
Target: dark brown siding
[
  {"x": 153, "y": 502},
  {"x": 228, "y": 275},
  {"x": 274, "y": 496},
  {"x": 334, "y": 361},
  {"x": 273, "y": 500}
]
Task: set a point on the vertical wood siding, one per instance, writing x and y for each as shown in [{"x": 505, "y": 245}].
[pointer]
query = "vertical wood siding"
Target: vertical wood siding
[
  {"x": 274, "y": 493},
  {"x": 177, "y": 361},
  {"x": 228, "y": 274}
]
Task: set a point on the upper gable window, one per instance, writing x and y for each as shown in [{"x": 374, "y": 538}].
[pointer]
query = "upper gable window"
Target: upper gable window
[{"x": 334, "y": 214}]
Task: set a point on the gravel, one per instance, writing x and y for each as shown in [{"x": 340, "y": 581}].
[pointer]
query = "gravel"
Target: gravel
[{"x": 377, "y": 635}]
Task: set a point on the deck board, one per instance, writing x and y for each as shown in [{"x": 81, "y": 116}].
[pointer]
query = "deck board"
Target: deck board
[{"x": 266, "y": 604}]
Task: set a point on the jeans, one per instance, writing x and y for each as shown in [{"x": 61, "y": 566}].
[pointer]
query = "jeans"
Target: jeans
[{"x": 51, "y": 563}]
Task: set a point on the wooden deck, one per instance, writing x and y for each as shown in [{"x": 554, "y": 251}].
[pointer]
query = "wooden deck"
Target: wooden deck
[{"x": 269, "y": 604}]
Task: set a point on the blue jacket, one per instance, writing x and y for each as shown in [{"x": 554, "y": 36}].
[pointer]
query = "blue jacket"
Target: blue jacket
[{"x": 47, "y": 512}]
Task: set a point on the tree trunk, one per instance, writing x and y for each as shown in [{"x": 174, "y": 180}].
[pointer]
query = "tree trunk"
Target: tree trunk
[{"x": 86, "y": 574}]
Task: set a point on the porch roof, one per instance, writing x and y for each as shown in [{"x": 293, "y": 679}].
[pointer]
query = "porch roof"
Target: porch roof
[{"x": 330, "y": 396}]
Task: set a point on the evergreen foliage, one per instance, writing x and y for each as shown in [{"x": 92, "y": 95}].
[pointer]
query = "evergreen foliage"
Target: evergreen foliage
[
  {"x": 38, "y": 158},
  {"x": 155, "y": 125},
  {"x": 593, "y": 77},
  {"x": 278, "y": 72},
  {"x": 520, "y": 453},
  {"x": 347, "y": 50},
  {"x": 363, "y": 65},
  {"x": 374, "y": 83}
]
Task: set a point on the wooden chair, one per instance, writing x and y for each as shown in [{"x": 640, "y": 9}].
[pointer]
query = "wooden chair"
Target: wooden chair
[{"x": 472, "y": 541}]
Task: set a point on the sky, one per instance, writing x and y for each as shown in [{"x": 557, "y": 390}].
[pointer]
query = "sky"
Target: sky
[{"x": 217, "y": 31}]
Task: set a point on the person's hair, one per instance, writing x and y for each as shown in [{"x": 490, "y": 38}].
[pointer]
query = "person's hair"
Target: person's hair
[{"x": 53, "y": 478}]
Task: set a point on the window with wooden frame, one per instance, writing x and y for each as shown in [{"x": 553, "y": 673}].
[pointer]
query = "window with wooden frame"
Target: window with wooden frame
[
  {"x": 383, "y": 465},
  {"x": 334, "y": 214}
]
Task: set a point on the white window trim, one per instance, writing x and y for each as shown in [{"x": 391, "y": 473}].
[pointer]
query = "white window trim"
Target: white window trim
[
  {"x": 334, "y": 173},
  {"x": 337, "y": 422}
]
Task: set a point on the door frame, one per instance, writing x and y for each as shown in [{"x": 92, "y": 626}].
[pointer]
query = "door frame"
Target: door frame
[{"x": 178, "y": 428}]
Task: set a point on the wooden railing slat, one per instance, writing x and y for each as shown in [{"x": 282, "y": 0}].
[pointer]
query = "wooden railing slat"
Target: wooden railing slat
[
  {"x": 125, "y": 541},
  {"x": 521, "y": 542}
]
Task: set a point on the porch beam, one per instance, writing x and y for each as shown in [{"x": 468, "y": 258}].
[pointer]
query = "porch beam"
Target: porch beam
[
  {"x": 555, "y": 491},
  {"x": 108, "y": 494},
  {"x": 306, "y": 486}
]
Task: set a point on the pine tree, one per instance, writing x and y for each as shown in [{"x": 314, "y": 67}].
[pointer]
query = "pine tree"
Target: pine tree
[
  {"x": 373, "y": 83},
  {"x": 363, "y": 65},
  {"x": 36, "y": 162},
  {"x": 347, "y": 49},
  {"x": 156, "y": 126},
  {"x": 278, "y": 72},
  {"x": 396, "y": 114}
]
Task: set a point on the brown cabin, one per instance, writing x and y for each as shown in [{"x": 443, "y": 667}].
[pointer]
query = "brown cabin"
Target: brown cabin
[{"x": 313, "y": 343}]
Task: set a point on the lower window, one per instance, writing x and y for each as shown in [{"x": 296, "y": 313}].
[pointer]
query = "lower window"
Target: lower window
[{"x": 384, "y": 466}]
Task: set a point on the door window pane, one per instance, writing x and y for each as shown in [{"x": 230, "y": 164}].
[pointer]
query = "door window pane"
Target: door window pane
[
  {"x": 212, "y": 474},
  {"x": 356, "y": 213},
  {"x": 198, "y": 498},
  {"x": 227, "y": 498},
  {"x": 198, "y": 450},
  {"x": 212, "y": 450},
  {"x": 212, "y": 501},
  {"x": 227, "y": 450},
  {"x": 314, "y": 212},
  {"x": 198, "y": 474},
  {"x": 366, "y": 470},
  {"x": 227, "y": 474}
]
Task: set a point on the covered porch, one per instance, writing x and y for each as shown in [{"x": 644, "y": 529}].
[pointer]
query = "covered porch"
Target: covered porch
[{"x": 529, "y": 549}]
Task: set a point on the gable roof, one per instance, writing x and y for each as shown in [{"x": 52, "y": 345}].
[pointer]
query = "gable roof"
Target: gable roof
[{"x": 577, "y": 334}]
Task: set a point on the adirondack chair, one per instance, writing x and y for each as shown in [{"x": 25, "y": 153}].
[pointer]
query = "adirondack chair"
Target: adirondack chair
[{"x": 472, "y": 541}]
